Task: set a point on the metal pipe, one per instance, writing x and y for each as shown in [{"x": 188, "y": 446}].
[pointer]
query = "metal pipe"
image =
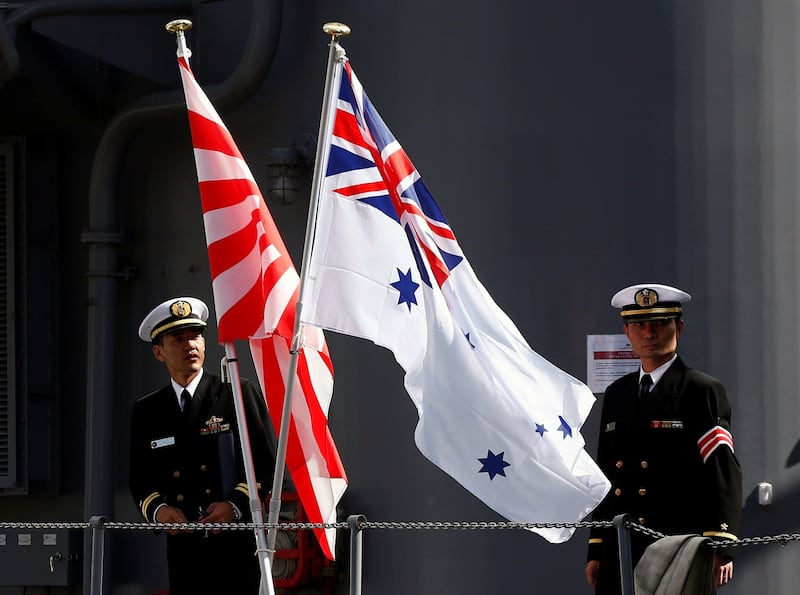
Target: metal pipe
[
  {"x": 9, "y": 58},
  {"x": 31, "y": 10},
  {"x": 355, "y": 521},
  {"x": 98, "y": 545},
  {"x": 625, "y": 559},
  {"x": 22, "y": 13}
]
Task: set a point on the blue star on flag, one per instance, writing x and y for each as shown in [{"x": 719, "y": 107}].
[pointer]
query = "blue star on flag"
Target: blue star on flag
[
  {"x": 471, "y": 344},
  {"x": 540, "y": 429},
  {"x": 565, "y": 427},
  {"x": 493, "y": 464},
  {"x": 407, "y": 288}
]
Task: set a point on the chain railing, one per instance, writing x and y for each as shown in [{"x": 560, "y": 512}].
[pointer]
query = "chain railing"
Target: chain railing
[{"x": 356, "y": 524}]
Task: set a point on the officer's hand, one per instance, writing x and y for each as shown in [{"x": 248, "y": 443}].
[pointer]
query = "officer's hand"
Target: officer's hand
[
  {"x": 723, "y": 570},
  {"x": 592, "y": 567},
  {"x": 218, "y": 512},
  {"x": 170, "y": 514}
]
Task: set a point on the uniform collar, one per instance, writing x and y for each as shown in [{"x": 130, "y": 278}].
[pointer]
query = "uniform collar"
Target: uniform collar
[
  {"x": 191, "y": 387},
  {"x": 659, "y": 371}
]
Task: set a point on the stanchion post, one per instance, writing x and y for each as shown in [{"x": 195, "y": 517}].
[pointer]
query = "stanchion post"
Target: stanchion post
[
  {"x": 98, "y": 547},
  {"x": 354, "y": 521},
  {"x": 625, "y": 559}
]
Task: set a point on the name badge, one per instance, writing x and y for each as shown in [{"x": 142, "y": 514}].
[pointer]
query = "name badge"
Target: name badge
[{"x": 161, "y": 442}]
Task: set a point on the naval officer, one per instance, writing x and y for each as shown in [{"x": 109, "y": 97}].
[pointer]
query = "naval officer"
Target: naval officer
[
  {"x": 186, "y": 458},
  {"x": 665, "y": 443}
]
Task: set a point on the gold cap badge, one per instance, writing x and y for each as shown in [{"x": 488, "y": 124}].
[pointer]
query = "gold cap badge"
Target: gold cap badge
[
  {"x": 180, "y": 309},
  {"x": 646, "y": 297}
]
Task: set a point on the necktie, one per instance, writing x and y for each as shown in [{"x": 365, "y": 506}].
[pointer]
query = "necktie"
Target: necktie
[
  {"x": 186, "y": 401},
  {"x": 644, "y": 385}
]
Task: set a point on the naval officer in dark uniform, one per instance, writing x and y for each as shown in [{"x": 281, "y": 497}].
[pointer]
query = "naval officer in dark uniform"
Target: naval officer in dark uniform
[
  {"x": 186, "y": 458},
  {"x": 665, "y": 443}
]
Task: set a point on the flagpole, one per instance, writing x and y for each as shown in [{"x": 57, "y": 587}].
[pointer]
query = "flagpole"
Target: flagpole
[
  {"x": 264, "y": 553},
  {"x": 336, "y": 56},
  {"x": 179, "y": 27}
]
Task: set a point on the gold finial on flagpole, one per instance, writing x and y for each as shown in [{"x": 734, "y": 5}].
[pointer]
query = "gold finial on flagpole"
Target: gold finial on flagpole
[
  {"x": 178, "y": 27},
  {"x": 336, "y": 30}
]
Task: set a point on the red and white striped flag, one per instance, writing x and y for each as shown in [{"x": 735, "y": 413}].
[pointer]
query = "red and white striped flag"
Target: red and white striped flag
[{"x": 255, "y": 293}]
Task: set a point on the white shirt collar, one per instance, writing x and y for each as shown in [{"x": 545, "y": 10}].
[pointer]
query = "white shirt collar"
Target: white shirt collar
[
  {"x": 658, "y": 372},
  {"x": 191, "y": 387}
]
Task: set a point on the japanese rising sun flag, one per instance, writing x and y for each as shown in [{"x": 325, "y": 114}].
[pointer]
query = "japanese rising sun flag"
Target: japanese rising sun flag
[
  {"x": 386, "y": 266},
  {"x": 255, "y": 289}
]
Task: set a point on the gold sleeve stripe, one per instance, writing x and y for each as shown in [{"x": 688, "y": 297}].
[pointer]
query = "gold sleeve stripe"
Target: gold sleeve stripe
[
  {"x": 730, "y": 536},
  {"x": 596, "y": 540},
  {"x": 242, "y": 487},
  {"x": 147, "y": 502}
]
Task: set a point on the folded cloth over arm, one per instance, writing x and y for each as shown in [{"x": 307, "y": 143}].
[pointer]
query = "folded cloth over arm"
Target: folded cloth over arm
[{"x": 675, "y": 565}]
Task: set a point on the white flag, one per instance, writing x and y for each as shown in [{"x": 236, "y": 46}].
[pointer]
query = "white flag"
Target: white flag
[{"x": 385, "y": 266}]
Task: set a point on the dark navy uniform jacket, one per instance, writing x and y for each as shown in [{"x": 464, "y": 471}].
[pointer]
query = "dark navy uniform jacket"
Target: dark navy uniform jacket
[
  {"x": 670, "y": 459},
  {"x": 191, "y": 461}
]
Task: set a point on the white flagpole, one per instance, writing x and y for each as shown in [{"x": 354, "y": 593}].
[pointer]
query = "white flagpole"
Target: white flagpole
[
  {"x": 264, "y": 553},
  {"x": 264, "y": 558},
  {"x": 336, "y": 56}
]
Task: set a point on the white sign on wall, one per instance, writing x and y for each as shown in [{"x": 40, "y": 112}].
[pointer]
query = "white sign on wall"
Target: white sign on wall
[{"x": 608, "y": 357}]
